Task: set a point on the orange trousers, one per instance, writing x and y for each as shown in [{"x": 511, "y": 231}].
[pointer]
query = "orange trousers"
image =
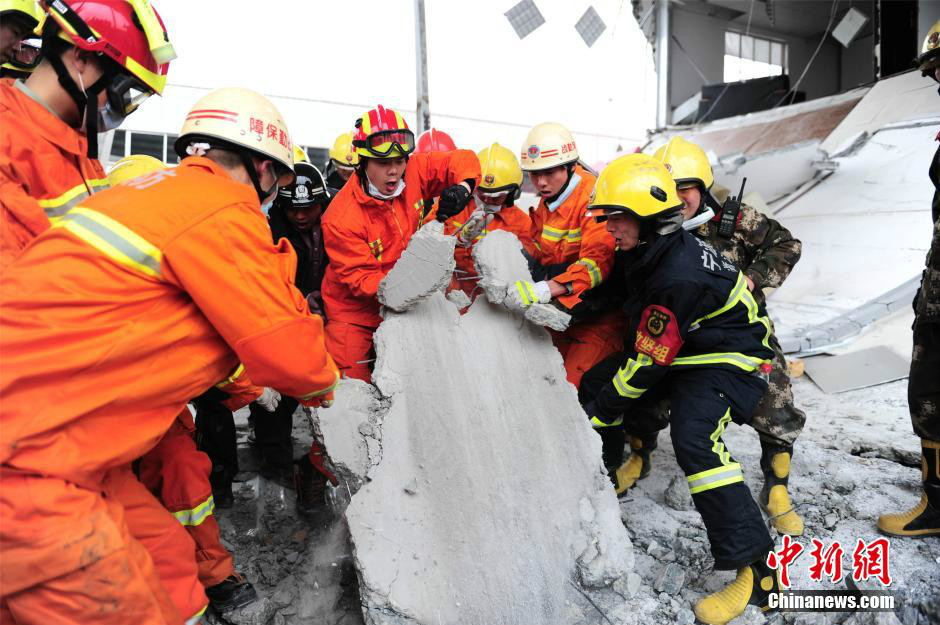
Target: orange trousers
[
  {"x": 70, "y": 557},
  {"x": 178, "y": 474},
  {"x": 586, "y": 343},
  {"x": 350, "y": 345}
]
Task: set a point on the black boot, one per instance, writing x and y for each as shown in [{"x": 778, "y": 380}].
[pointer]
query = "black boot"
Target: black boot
[
  {"x": 310, "y": 484},
  {"x": 924, "y": 518},
  {"x": 774, "y": 499},
  {"x": 221, "y": 484},
  {"x": 231, "y": 593}
]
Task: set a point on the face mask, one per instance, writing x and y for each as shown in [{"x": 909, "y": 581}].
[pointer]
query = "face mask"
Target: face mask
[
  {"x": 376, "y": 193},
  {"x": 266, "y": 207},
  {"x": 489, "y": 209},
  {"x": 108, "y": 118},
  {"x": 697, "y": 220}
]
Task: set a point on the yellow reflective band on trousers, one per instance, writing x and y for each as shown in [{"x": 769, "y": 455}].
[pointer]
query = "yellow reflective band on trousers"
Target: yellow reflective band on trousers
[
  {"x": 625, "y": 374},
  {"x": 597, "y": 423},
  {"x": 196, "y": 515},
  {"x": 112, "y": 239},
  {"x": 239, "y": 370},
  {"x": 715, "y": 478},
  {"x": 324, "y": 391},
  {"x": 593, "y": 270},
  {"x": 556, "y": 234},
  {"x": 55, "y": 208},
  {"x": 717, "y": 446}
]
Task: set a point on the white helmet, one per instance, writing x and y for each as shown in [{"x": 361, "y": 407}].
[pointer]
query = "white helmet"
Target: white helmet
[
  {"x": 548, "y": 145},
  {"x": 243, "y": 121}
]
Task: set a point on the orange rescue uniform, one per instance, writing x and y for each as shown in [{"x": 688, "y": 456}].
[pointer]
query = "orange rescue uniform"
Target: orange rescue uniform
[
  {"x": 510, "y": 218},
  {"x": 44, "y": 169},
  {"x": 565, "y": 235},
  {"x": 364, "y": 237},
  {"x": 136, "y": 301}
]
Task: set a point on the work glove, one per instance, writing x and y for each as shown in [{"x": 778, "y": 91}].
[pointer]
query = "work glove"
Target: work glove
[
  {"x": 453, "y": 200},
  {"x": 472, "y": 229},
  {"x": 313, "y": 304},
  {"x": 269, "y": 399},
  {"x": 321, "y": 401},
  {"x": 524, "y": 293},
  {"x": 598, "y": 419}
]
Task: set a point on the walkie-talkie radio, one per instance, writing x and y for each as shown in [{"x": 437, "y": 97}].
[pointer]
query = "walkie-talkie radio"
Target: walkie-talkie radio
[{"x": 729, "y": 214}]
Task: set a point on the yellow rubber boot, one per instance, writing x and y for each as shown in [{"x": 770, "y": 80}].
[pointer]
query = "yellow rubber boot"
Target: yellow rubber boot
[
  {"x": 924, "y": 518},
  {"x": 753, "y": 584},
  {"x": 774, "y": 498},
  {"x": 638, "y": 465}
]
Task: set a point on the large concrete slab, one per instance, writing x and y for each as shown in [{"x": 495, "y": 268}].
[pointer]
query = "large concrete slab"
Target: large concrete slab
[
  {"x": 490, "y": 503},
  {"x": 425, "y": 267}
]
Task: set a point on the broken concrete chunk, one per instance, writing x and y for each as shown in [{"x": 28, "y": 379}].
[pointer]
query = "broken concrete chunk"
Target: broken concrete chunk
[
  {"x": 670, "y": 580},
  {"x": 513, "y": 519},
  {"x": 500, "y": 263},
  {"x": 425, "y": 266},
  {"x": 459, "y": 299},
  {"x": 678, "y": 496}
]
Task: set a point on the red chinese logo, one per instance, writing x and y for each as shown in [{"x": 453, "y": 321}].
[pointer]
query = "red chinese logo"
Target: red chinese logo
[
  {"x": 871, "y": 560},
  {"x": 272, "y": 132},
  {"x": 826, "y": 562},
  {"x": 256, "y": 126},
  {"x": 781, "y": 560}
]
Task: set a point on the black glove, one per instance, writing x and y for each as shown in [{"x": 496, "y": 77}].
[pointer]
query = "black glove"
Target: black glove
[
  {"x": 453, "y": 200},
  {"x": 598, "y": 418}
]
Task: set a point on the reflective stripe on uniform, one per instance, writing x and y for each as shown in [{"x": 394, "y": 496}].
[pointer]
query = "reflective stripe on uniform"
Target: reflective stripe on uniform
[
  {"x": 740, "y": 294},
  {"x": 593, "y": 270},
  {"x": 239, "y": 370},
  {"x": 597, "y": 423},
  {"x": 715, "y": 478},
  {"x": 737, "y": 359},
  {"x": 324, "y": 391},
  {"x": 56, "y": 207},
  {"x": 718, "y": 447},
  {"x": 625, "y": 374},
  {"x": 112, "y": 239},
  {"x": 195, "y": 619},
  {"x": 557, "y": 234},
  {"x": 526, "y": 292},
  {"x": 196, "y": 515}
]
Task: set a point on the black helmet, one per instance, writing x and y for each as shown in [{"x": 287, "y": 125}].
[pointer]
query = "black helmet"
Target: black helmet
[{"x": 308, "y": 189}]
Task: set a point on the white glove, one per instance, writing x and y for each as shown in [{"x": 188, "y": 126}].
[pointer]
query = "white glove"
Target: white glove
[
  {"x": 269, "y": 399},
  {"x": 472, "y": 229},
  {"x": 524, "y": 293}
]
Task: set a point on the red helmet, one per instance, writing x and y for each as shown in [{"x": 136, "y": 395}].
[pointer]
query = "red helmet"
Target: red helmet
[
  {"x": 383, "y": 133},
  {"x": 435, "y": 140},
  {"x": 128, "y": 31}
]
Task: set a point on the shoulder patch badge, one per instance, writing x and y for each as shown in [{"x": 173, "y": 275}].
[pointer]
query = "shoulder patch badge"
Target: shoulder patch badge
[{"x": 657, "y": 336}]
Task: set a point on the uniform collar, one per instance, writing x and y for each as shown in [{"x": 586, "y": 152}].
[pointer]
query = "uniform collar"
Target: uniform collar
[
  {"x": 25, "y": 104},
  {"x": 21, "y": 85},
  {"x": 573, "y": 183}
]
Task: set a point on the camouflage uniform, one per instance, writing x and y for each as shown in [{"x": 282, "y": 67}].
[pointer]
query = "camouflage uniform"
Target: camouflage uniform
[
  {"x": 923, "y": 389},
  {"x": 766, "y": 252}
]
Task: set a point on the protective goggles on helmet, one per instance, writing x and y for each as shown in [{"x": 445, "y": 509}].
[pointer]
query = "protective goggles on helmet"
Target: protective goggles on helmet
[
  {"x": 384, "y": 142},
  {"x": 126, "y": 93},
  {"x": 26, "y": 55},
  {"x": 494, "y": 196}
]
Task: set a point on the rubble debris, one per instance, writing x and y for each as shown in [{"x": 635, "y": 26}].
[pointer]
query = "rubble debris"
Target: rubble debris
[
  {"x": 511, "y": 518},
  {"x": 678, "y": 496},
  {"x": 425, "y": 266},
  {"x": 458, "y": 298},
  {"x": 500, "y": 263},
  {"x": 670, "y": 580}
]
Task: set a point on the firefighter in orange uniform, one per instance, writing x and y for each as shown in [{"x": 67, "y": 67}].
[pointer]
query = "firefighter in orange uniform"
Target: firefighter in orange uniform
[
  {"x": 492, "y": 208},
  {"x": 574, "y": 253},
  {"x": 135, "y": 301},
  {"x": 101, "y": 59},
  {"x": 369, "y": 224}
]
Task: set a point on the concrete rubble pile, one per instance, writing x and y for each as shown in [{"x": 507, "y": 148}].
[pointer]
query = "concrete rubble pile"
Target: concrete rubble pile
[{"x": 477, "y": 489}]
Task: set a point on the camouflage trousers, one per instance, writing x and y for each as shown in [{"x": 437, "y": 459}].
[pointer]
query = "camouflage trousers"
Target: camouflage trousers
[
  {"x": 923, "y": 385},
  {"x": 776, "y": 419}
]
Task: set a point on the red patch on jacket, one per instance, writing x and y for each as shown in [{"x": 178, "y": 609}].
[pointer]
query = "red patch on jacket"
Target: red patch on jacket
[{"x": 658, "y": 335}]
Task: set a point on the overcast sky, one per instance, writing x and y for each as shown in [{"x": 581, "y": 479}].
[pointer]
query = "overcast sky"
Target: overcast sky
[{"x": 325, "y": 62}]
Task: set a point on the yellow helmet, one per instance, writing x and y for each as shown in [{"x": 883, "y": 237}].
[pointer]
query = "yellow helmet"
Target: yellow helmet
[
  {"x": 238, "y": 119},
  {"x": 687, "y": 163},
  {"x": 300, "y": 155},
  {"x": 638, "y": 185},
  {"x": 343, "y": 153},
  {"x": 930, "y": 52},
  {"x": 499, "y": 169},
  {"x": 27, "y": 11},
  {"x": 548, "y": 145},
  {"x": 133, "y": 166}
]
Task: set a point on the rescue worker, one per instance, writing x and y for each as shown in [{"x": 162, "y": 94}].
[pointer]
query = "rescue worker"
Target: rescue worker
[
  {"x": 697, "y": 331},
  {"x": 493, "y": 207},
  {"x": 434, "y": 140},
  {"x": 573, "y": 253},
  {"x": 765, "y": 252},
  {"x": 923, "y": 384},
  {"x": 296, "y": 216},
  {"x": 341, "y": 164},
  {"x": 101, "y": 59},
  {"x": 137, "y": 300},
  {"x": 18, "y": 19},
  {"x": 370, "y": 222}
]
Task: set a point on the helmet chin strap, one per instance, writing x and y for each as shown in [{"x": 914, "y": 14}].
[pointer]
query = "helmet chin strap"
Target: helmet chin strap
[
  {"x": 86, "y": 100},
  {"x": 255, "y": 179}
]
